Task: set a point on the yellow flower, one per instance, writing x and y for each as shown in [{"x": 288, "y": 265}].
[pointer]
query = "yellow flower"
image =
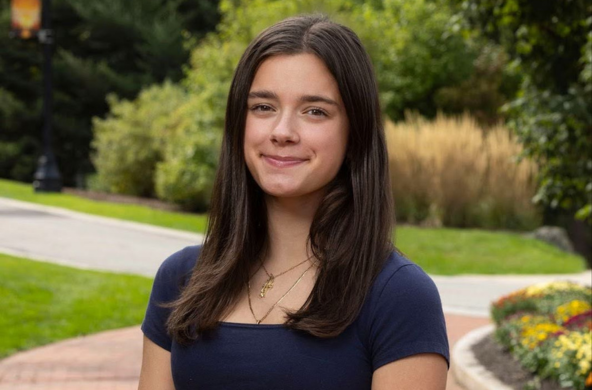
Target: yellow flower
[
  {"x": 577, "y": 347},
  {"x": 532, "y": 335},
  {"x": 547, "y": 287},
  {"x": 570, "y": 309}
]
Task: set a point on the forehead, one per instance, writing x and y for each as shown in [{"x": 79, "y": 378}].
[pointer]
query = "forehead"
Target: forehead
[{"x": 303, "y": 73}]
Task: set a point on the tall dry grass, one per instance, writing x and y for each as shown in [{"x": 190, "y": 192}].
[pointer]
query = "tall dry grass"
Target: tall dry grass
[{"x": 451, "y": 172}]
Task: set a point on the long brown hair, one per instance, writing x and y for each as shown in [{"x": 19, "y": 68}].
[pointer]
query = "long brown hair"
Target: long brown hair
[{"x": 351, "y": 231}]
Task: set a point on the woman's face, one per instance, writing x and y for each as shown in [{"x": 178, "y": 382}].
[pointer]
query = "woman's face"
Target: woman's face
[{"x": 296, "y": 129}]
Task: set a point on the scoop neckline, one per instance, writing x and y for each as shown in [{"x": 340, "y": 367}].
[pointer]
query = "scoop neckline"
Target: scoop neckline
[{"x": 253, "y": 326}]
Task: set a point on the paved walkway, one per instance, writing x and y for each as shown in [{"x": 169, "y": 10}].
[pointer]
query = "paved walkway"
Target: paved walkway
[
  {"x": 111, "y": 360},
  {"x": 86, "y": 241}
]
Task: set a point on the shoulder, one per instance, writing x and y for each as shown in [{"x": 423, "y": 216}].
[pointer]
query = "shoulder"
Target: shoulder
[
  {"x": 402, "y": 314},
  {"x": 169, "y": 279},
  {"x": 181, "y": 261},
  {"x": 177, "y": 267},
  {"x": 400, "y": 277}
]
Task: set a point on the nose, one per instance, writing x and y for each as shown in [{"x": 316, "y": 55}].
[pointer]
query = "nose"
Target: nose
[{"x": 284, "y": 130}]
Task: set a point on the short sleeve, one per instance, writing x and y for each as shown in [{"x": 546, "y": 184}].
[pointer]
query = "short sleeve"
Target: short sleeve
[
  {"x": 166, "y": 288},
  {"x": 407, "y": 318}
]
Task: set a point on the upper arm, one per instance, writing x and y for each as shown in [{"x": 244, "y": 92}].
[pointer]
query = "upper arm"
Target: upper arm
[
  {"x": 417, "y": 372},
  {"x": 156, "y": 368},
  {"x": 407, "y": 320}
]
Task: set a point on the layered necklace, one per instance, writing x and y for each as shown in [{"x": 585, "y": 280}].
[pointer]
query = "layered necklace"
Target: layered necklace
[{"x": 268, "y": 285}]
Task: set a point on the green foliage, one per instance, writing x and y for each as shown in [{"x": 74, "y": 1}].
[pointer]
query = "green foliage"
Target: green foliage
[
  {"x": 109, "y": 46},
  {"x": 416, "y": 56},
  {"x": 490, "y": 86},
  {"x": 187, "y": 173},
  {"x": 413, "y": 48},
  {"x": 415, "y": 52},
  {"x": 11, "y": 147},
  {"x": 556, "y": 131},
  {"x": 129, "y": 142},
  {"x": 551, "y": 44}
]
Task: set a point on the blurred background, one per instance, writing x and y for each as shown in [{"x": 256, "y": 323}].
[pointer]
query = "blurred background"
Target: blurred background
[
  {"x": 486, "y": 103},
  {"x": 115, "y": 108}
]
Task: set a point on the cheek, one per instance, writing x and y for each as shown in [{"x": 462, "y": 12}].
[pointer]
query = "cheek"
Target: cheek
[
  {"x": 334, "y": 145},
  {"x": 251, "y": 137},
  {"x": 251, "y": 142}
]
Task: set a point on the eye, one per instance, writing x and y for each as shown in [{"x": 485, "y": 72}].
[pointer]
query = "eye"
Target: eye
[
  {"x": 261, "y": 108},
  {"x": 316, "y": 112}
]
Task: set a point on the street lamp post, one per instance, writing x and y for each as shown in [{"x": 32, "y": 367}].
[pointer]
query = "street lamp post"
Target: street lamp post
[{"x": 47, "y": 176}]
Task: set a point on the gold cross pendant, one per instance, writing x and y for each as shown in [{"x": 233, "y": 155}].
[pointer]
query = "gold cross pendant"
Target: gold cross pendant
[{"x": 267, "y": 286}]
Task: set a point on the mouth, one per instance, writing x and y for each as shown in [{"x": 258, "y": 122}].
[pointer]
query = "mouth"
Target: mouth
[{"x": 283, "y": 161}]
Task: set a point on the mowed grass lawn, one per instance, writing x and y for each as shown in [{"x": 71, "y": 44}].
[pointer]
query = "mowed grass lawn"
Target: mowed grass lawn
[
  {"x": 473, "y": 251},
  {"x": 42, "y": 303}
]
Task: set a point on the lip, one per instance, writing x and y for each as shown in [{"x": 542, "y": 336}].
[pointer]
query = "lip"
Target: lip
[{"x": 282, "y": 161}]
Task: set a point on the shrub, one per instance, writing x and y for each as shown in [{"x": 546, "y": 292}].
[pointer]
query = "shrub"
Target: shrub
[
  {"x": 548, "y": 328},
  {"x": 410, "y": 43},
  {"x": 415, "y": 50},
  {"x": 450, "y": 172},
  {"x": 129, "y": 142},
  {"x": 484, "y": 93},
  {"x": 186, "y": 174}
]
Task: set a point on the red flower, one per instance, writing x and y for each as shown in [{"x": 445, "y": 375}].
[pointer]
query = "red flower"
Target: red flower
[{"x": 580, "y": 321}]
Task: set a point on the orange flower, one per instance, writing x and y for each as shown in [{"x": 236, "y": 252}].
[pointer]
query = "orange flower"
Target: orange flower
[{"x": 589, "y": 379}]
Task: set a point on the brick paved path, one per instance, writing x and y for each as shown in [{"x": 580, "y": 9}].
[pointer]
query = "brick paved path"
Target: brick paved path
[
  {"x": 105, "y": 361},
  {"x": 111, "y": 361}
]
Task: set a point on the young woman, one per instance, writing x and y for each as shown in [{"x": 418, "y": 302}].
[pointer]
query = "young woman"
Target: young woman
[{"x": 297, "y": 285}]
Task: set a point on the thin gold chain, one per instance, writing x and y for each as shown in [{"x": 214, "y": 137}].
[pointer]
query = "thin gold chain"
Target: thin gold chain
[
  {"x": 275, "y": 304},
  {"x": 280, "y": 274},
  {"x": 268, "y": 285}
]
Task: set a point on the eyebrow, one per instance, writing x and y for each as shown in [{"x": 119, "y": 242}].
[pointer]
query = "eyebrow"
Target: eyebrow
[{"x": 265, "y": 94}]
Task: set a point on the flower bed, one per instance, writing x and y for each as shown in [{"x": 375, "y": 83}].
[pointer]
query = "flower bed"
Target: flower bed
[{"x": 548, "y": 328}]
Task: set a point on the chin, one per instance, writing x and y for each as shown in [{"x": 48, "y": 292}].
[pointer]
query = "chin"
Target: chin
[{"x": 282, "y": 192}]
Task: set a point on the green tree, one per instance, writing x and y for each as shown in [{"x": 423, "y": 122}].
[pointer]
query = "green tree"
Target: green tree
[
  {"x": 132, "y": 137},
  {"x": 102, "y": 47},
  {"x": 551, "y": 44},
  {"x": 415, "y": 53}
]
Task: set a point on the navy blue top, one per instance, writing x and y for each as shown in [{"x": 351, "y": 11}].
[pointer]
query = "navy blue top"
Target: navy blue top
[{"x": 402, "y": 316}]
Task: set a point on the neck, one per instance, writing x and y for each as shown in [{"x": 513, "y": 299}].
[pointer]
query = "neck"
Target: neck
[{"x": 289, "y": 221}]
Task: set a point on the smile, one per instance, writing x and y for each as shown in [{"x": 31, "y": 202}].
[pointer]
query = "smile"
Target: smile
[{"x": 283, "y": 162}]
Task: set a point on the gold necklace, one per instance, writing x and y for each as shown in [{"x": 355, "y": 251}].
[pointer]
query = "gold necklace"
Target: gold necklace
[
  {"x": 268, "y": 285},
  {"x": 275, "y": 304}
]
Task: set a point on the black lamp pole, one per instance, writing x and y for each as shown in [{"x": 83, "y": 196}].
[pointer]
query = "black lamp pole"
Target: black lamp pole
[{"x": 47, "y": 176}]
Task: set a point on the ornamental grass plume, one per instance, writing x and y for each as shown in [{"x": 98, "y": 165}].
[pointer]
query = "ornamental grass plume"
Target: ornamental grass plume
[{"x": 451, "y": 172}]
